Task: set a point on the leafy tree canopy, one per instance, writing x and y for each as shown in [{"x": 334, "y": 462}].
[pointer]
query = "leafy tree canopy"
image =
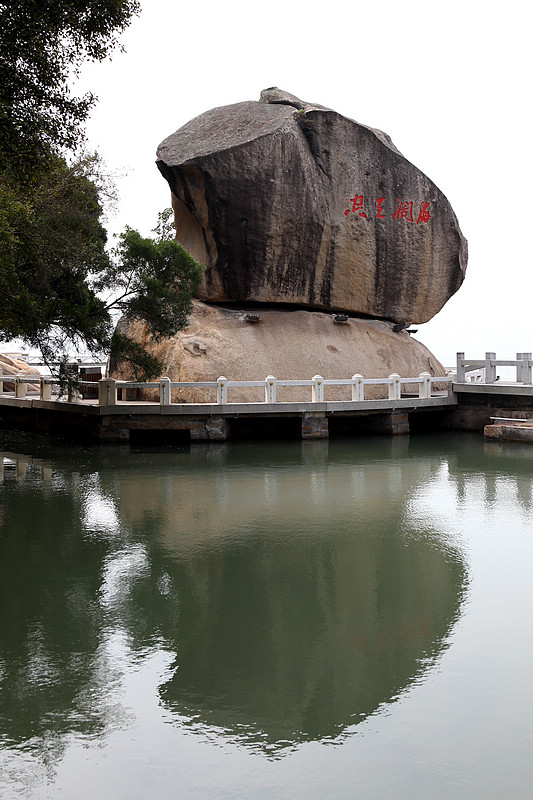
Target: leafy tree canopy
[
  {"x": 60, "y": 287},
  {"x": 43, "y": 44},
  {"x": 154, "y": 282}
]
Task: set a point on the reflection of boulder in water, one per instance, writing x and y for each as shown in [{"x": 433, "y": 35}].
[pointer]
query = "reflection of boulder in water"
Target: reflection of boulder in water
[
  {"x": 293, "y": 584},
  {"x": 288, "y": 636}
]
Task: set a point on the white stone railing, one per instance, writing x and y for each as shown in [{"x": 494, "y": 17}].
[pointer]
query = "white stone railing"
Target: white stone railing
[
  {"x": 108, "y": 388},
  {"x": 484, "y": 370},
  {"x": 468, "y": 371},
  {"x": 22, "y": 380}
]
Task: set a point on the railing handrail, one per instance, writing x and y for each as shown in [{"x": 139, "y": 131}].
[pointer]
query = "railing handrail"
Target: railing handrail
[
  {"x": 108, "y": 387},
  {"x": 484, "y": 369},
  {"x": 261, "y": 383},
  {"x": 487, "y": 366}
]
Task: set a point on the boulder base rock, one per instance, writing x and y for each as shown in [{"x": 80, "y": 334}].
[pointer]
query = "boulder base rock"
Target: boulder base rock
[
  {"x": 287, "y": 344},
  {"x": 13, "y": 365},
  {"x": 289, "y": 202}
]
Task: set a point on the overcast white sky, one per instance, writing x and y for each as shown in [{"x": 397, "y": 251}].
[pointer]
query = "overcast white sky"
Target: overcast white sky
[{"x": 450, "y": 82}]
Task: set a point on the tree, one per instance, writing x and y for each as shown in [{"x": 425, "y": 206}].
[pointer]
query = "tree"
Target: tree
[
  {"x": 42, "y": 47},
  {"x": 62, "y": 289},
  {"x": 51, "y": 242},
  {"x": 155, "y": 280}
]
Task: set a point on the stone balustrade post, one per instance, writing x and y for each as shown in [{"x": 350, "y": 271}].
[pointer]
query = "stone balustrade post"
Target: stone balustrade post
[
  {"x": 424, "y": 387},
  {"x": 461, "y": 375},
  {"x": 45, "y": 388},
  {"x": 527, "y": 368},
  {"x": 490, "y": 368},
  {"x": 317, "y": 390},
  {"x": 164, "y": 392},
  {"x": 395, "y": 386},
  {"x": 21, "y": 387},
  {"x": 1, "y": 381},
  {"x": 519, "y": 367},
  {"x": 523, "y": 369},
  {"x": 222, "y": 390},
  {"x": 358, "y": 388},
  {"x": 107, "y": 392},
  {"x": 270, "y": 389}
]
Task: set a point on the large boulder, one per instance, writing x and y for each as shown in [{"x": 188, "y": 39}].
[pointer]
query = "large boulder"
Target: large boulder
[
  {"x": 290, "y": 345},
  {"x": 288, "y": 202}
]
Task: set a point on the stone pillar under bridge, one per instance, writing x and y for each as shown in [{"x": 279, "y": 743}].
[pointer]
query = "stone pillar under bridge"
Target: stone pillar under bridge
[
  {"x": 314, "y": 425},
  {"x": 397, "y": 423},
  {"x": 209, "y": 429}
]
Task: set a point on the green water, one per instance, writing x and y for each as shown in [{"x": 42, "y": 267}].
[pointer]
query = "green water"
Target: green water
[{"x": 266, "y": 620}]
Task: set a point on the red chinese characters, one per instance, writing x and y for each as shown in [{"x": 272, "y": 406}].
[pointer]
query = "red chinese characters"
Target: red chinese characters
[
  {"x": 357, "y": 205},
  {"x": 423, "y": 214},
  {"x": 402, "y": 212}
]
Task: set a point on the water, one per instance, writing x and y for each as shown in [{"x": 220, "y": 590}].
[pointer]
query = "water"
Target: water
[{"x": 266, "y": 620}]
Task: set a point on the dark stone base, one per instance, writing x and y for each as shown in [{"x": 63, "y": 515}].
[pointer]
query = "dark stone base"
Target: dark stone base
[
  {"x": 315, "y": 426},
  {"x": 474, "y": 411},
  {"x": 211, "y": 429}
]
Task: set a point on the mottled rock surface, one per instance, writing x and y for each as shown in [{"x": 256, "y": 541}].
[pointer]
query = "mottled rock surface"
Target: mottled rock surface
[
  {"x": 287, "y": 344},
  {"x": 12, "y": 365},
  {"x": 289, "y": 202}
]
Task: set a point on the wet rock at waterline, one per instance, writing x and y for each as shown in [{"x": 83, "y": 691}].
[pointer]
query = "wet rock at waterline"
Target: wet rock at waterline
[
  {"x": 287, "y": 344},
  {"x": 288, "y": 202}
]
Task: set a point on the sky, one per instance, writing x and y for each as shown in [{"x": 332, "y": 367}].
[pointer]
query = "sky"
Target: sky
[{"x": 450, "y": 82}]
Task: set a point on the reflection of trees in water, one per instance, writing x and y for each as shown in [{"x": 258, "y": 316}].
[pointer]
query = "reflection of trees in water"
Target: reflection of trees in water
[
  {"x": 286, "y": 580},
  {"x": 51, "y": 632}
]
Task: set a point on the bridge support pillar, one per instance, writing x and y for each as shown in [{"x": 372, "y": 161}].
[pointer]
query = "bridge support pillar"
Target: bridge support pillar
[
  {"x": 397, "y": 423},
  {"x": 210, "y": 429},
  {"x": 314, "y": 425}
]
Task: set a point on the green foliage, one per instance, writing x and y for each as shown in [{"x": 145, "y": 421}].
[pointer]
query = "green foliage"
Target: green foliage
[
  {"x": 42, "y": 46},
  {"x": 156, "y": 280},
  {"x": 51, "y": 240},
  {"x": 63, "y": 288},
  {"x": 143, "y": 365},
  {"x": 60, "y": 286},
  {"x": 164, "y": 229}
]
